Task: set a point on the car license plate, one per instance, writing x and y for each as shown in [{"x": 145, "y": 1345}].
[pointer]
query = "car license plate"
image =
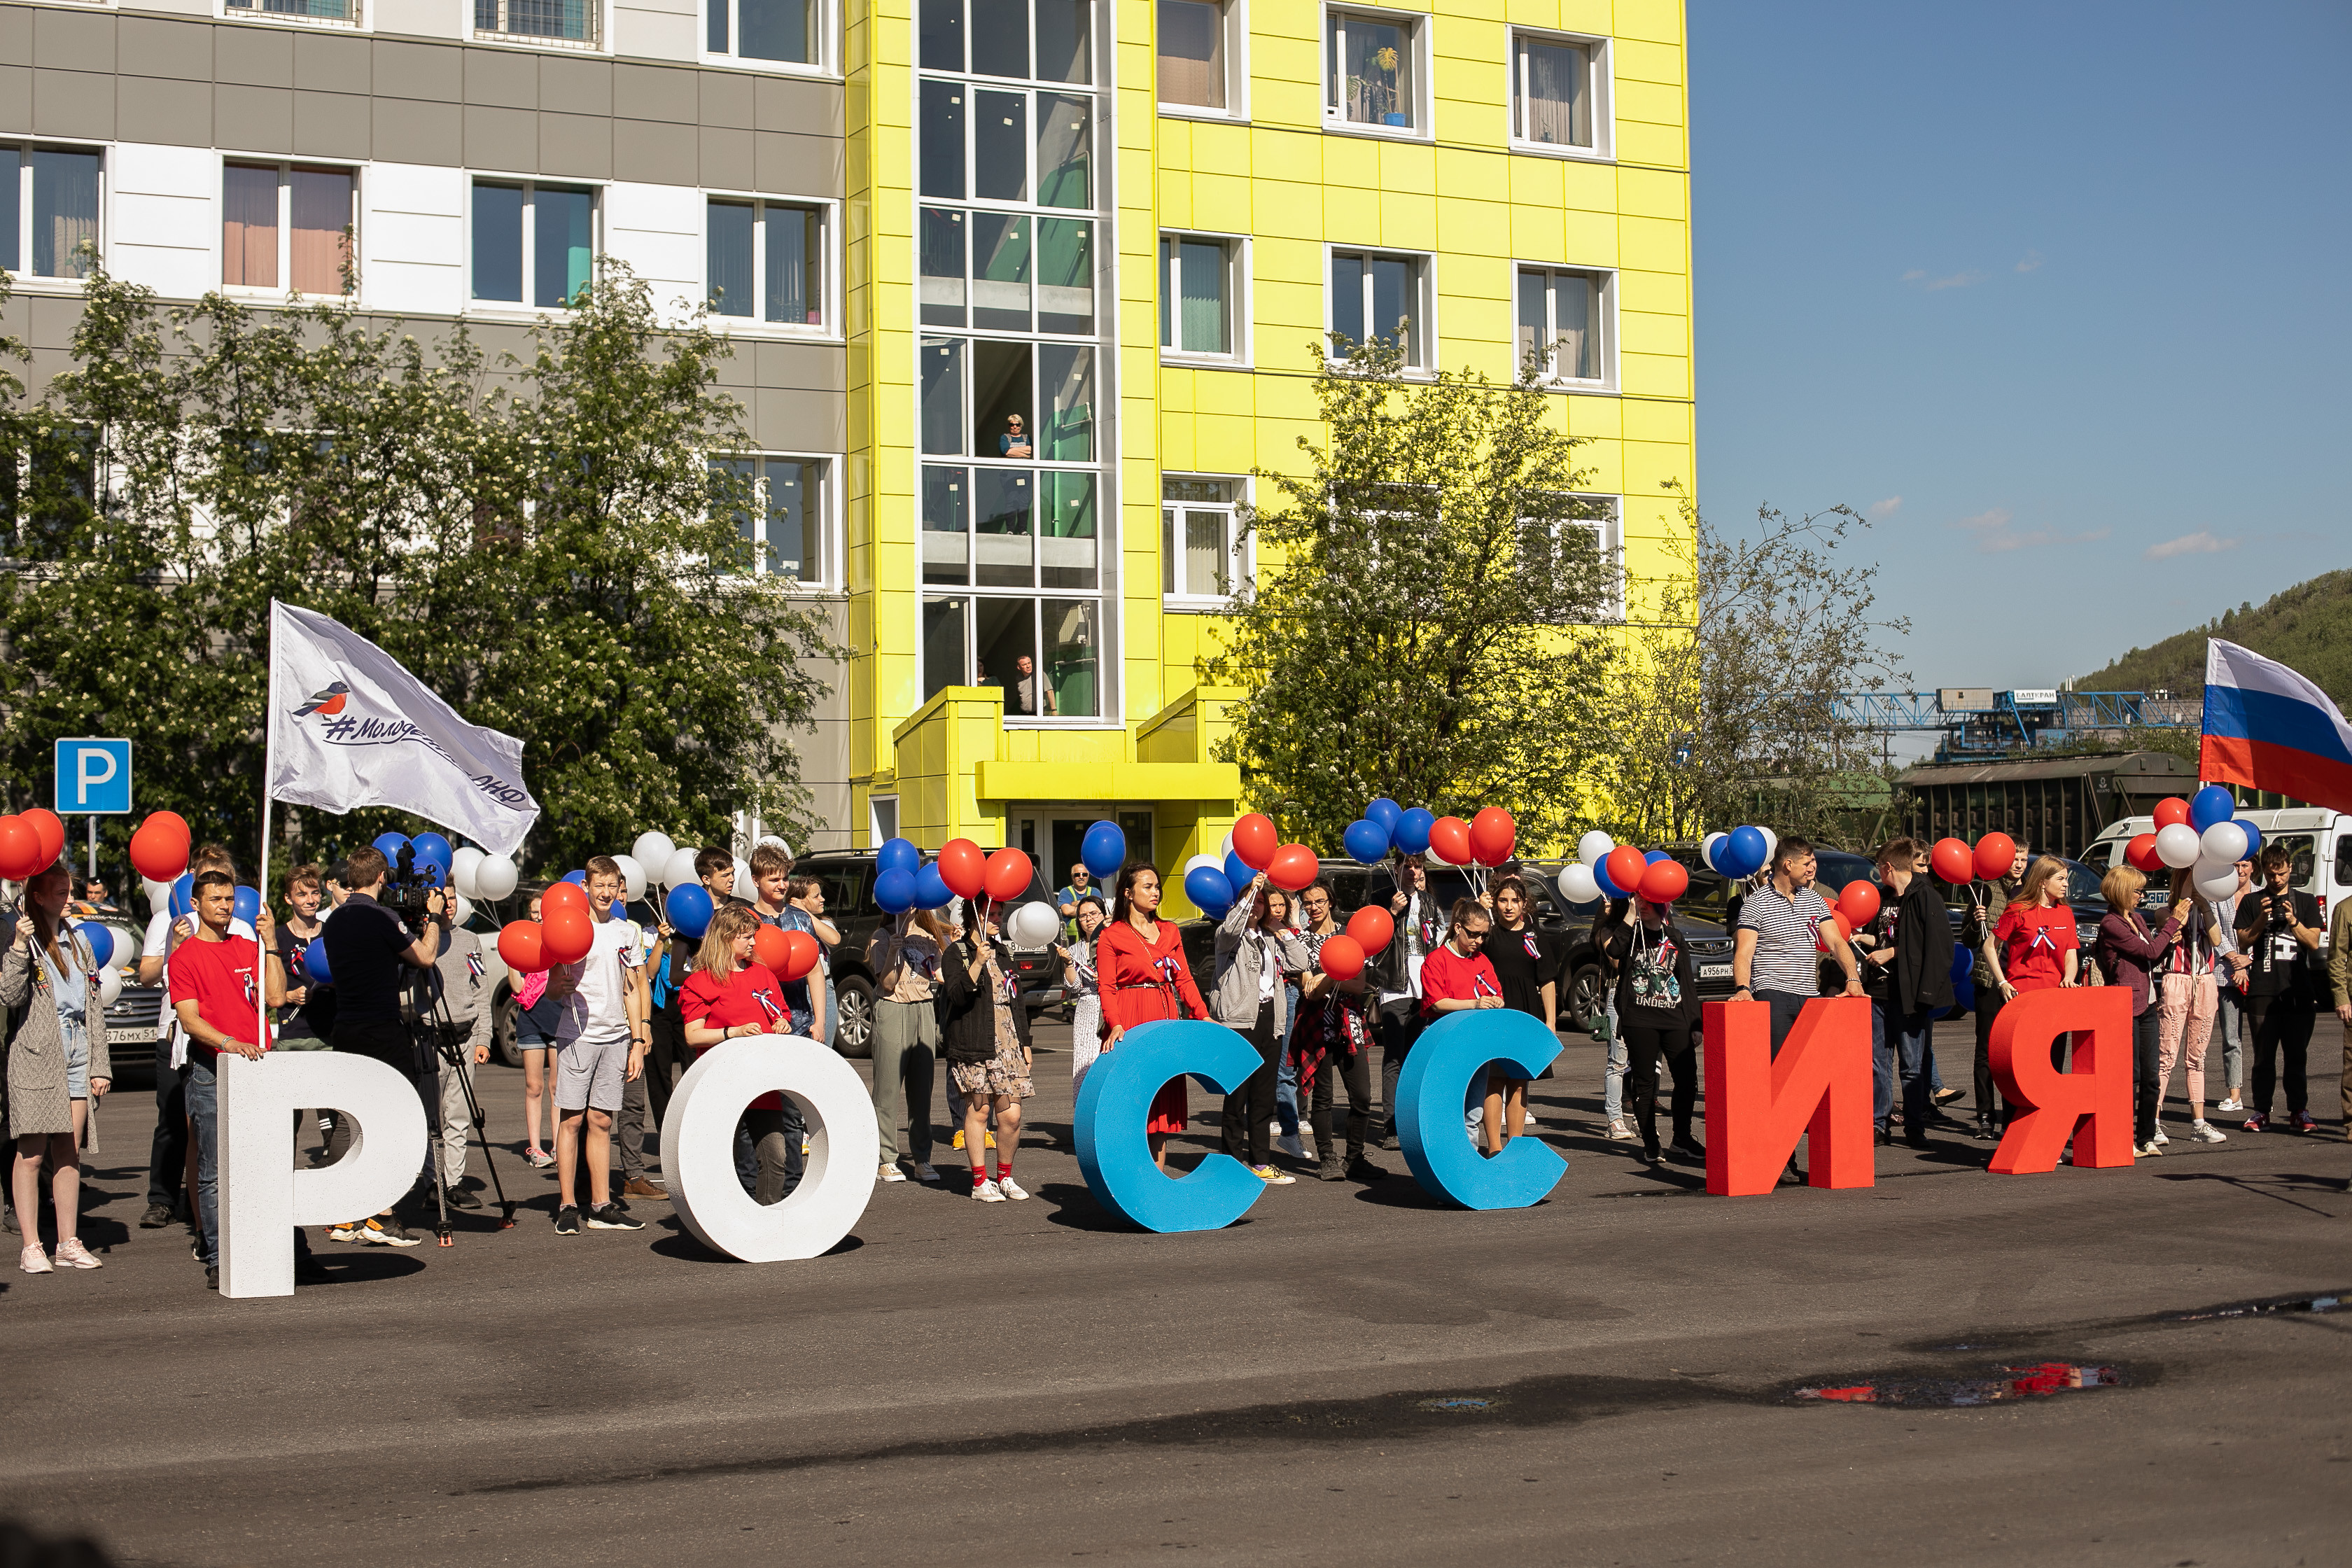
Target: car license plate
[
  {"x": 132, "y": 1037},
  {"x": 1715, "y": 972}
]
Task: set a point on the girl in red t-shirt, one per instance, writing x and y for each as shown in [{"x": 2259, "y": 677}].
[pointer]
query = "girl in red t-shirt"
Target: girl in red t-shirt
[
  {"x": 730, "y": 997},
  {"x": 2036, "y": 933}
]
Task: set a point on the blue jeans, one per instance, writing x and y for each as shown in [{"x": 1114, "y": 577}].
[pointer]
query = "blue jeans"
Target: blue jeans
[
  {"x": 1613, "y": 1068},
  {"x": 1898, "y": 1043},
  {"x": 203, "y": 1109},
  {"x": 1285, "y": 1083}
]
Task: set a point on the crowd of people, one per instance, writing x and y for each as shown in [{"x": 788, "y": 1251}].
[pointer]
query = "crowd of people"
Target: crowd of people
[{"x": 604, "y": 1040}]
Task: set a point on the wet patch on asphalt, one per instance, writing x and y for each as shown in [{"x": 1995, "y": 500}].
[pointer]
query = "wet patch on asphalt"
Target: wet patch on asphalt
[{"x": 1996, "y": 1384}]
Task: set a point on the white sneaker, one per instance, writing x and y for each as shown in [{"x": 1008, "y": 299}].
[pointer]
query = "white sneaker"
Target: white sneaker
[
  {"x": 2229, "y": 1104},
  {"x": 1289, "y": 1145},
  {"x": 1011, "y": 1189},
  {"x": 2206, "y": 1132},
  {"x": 988, "y": 1193},
  {"x": 2160, "y": 1136},
  {"x": 1530, "y": 1120},
  {"x": 1272, "y": 1177},
  {"x": 1620, "y": 1134},
  {"x": 34, "y": 1261},
  {"x": 889, "y": 1173},
  {"x": 2146, "y": 1151}
]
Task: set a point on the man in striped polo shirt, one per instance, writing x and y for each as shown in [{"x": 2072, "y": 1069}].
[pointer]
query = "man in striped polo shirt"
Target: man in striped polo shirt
[{"x": 1773, "y": 957}]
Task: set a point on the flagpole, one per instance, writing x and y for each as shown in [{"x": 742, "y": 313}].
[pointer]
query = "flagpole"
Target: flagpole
[{"x": 268, "y": 773}]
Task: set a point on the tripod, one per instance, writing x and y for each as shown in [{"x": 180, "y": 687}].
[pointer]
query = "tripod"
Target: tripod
[{"x": 435, "y": 1035}]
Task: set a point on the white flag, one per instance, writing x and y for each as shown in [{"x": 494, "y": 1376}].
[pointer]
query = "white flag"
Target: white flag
[{"x": 349, "y": 727}]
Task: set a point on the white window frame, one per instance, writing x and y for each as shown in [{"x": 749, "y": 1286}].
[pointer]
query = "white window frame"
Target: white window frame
[
  {"x": 1608, "y": 537},
  {"x": 356, "y": 22},
  {"x": 602, "y": 44},
  {"x": 1425, "y": 286},
  {"x": 1417, "y": 25},
  {"x": 829, "y": 522},
  {"x": 1241, "y": 552},
  {"x": 1607, "y": 382},
  {"x": 874, "y": 803},
  {"x": 1238, "y": 356},
  {"x": 829, "y": 30},
  {"x": 829, "y": 247},
  {"x": 1236, "y": 19},
  {"x": 22, "y": 277},
  {"x": 285, "y": 166},
  {"x": 1603, "y": 86},
  {"x": 597, "y": 245}
]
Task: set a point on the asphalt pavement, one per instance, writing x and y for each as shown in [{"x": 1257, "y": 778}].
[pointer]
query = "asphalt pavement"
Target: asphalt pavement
[{"x": 1630, "y": 1372}]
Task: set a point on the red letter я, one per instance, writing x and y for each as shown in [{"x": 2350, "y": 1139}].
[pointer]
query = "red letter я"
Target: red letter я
[
  {"x": 2046, "y": 1104},
  {"x": 1758, "y": 1105}
]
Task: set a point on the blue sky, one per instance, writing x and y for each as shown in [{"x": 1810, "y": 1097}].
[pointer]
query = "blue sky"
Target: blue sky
[{"x": 2057, "y": 292}]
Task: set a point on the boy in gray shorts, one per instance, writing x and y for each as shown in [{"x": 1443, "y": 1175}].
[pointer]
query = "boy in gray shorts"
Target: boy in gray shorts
[{"x": 600, "y": 1037}]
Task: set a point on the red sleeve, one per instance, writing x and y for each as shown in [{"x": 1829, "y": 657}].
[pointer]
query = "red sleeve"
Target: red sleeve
[
  {"x": 697, "y": 998},
  {"x": 1445, "y": 977},
  {"x": 2005, "y": 932},
  {"x": 181, "y": 969}
]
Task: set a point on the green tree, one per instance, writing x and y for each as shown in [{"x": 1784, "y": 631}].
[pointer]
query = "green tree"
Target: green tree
[
  {"x": 544, "y": 542},
  {"x": 1419, "y": 625}
]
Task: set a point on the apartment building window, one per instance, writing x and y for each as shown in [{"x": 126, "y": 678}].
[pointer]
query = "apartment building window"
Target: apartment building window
[
  {"x": 1380, "y": 298},
  {"x": 51, "y": 210},
  {"x": 346, "y": 11},
  {"x": 1199, "y": 277},
  {"x": 779, "y": 32},
  {"x": 1563, "y": 317},
  {"x": 1200, "y": 541},
  {"x": 1558, "y": 551},
  {"x": 579, "y": 23},
  {"x": 1003, "y": 41},
  {"x": 783, "y": 515},
  {"x": 1560, "y": 93},
  {"x": 984, "y": 641},
  {"x": 1197, "y": 40},
  {"x": 767, "y": 262},
  {"x": 285, "y": 227},
  {"x": 534, "y": 235},
  {"x": 1371, "y": 70}
]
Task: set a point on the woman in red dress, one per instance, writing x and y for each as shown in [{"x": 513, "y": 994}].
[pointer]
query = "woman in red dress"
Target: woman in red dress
[{"x": 1140, "y": 960}]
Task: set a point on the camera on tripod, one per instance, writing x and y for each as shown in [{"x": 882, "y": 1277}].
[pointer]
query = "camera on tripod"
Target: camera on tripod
[{"x": 407, "y": 891}]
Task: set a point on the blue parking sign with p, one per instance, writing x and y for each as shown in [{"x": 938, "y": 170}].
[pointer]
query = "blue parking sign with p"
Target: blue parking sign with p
[{"x": 93, "y": 778}]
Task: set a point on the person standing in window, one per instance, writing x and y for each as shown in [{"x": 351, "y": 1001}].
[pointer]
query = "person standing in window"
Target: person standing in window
[
  {"x": 1014, "y": 442},
  {"x": 58, "y": 1064},
  {"x": 1025, "y": 696}
]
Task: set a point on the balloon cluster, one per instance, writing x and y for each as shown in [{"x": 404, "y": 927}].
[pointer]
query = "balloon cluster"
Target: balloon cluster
[
  {"x": 1741, "y": 852},
  {"x": 964, "y": 871},
  {"x": 31, "y": 843},
  {"x": 1606, "y": 869},
  {"x": 1953, "y": 861},
  {"x": 2202, "y": 835},
  {"x": 1254, "y": 846},
  {"x": 1485, "y": 840}
]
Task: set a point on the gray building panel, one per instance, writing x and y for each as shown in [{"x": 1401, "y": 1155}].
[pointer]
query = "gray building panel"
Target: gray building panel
[
  {"x": 798, "y": 165},
  {"x": 783, "y": 419},
  {"x": 579, "y": 146},
  {"x": 502, "y": 140},
  {"x": 727, "y": 159},
  {"x": 254, "y": 119},
  {"x": 656, "y": 154},
  {"x": 656, "y": 93},
  {"x": 435, "y": 71},
  {"x": 15, "y": 99},
  {"x": 332, "y": 125},
  {"x": 334, "y": 62},
  {"x": 804, "y": 108},
  {"x": 570, "y": 85},
  {"x": 73, "y": 40},
  {"x": 503, "y": 79},
  {"x": 73, "y": 103},
  {"x": 253, "y": 56},
  {"x": 159, "y": 47},
  {"x": 15, "y": 35},
  {"x": 726, "y": 99},
  {"x": 160, "y": 109},
  {"x": 409, "y": 130}
]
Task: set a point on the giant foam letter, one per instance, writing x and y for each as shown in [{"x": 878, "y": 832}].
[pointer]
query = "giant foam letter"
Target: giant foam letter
[
  {"x": 2098, "y": 1087},
  {"x": 1429, "y": 1111},
  {"x": 697, "y": 1144},
  {"x": 263, "y": 1198},
  {"x": 1115, "y": 1103},
  {"x": 1758, "y": 1105}
]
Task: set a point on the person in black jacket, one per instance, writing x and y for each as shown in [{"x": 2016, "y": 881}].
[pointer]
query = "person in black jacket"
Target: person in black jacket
[
  {"x": 1907, "y": 972},
  {"x": 1658, "y": 1003}
]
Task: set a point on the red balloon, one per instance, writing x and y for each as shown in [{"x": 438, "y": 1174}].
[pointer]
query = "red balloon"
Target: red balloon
[
  {"x": 521, "y": 944},
  {"x": 1953, "y": 863},
  {"x": 52, "y": 829},
  {"x": 800, "y": 956},
  {"x": 963, "y": 867},
  {"x": 1995, "y": 853},
  {"x": 563, "y": 896},
  {"x": 1294, "y": 867},
  {"x": 1837, "y": 918},
  {"x": 1449, "y": 840},
  {"x": 566, "y": 934},
  {"x": 769, "y": 948},
  {"x": 2169, "y": 810},
  {"x": 1006, "y": 875},
  {"x": 1342, "y": 957},
  {"x": 1370, "y": 928},
  {"x": 1663, "y": 881},
  {"x": 1254, "y": 840},
  {"x": 157, "y": 852},
  {"x": 1625, "y": 865},
  {"x": 2140, "y": 854},
  {"x": 20, "y": 850},
  {"x": 173, "y": 823},
  {"x": 1492, "y": 834},
  {"x": 1859, "y": 902}
]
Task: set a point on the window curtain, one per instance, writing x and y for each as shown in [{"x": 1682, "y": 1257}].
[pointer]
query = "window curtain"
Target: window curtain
[
  {"x": 65, "y": 212},
  {"x": 320, "y": 200},
  {"x": 249, "y": 226},
  {"x": 1202, "y": 320},
  {"x": 1191, "y": 54},
  {"x": 793, "y": 280},
  {"x": 1556, "y": 105},
  {"x": 1579, "y": 345}
]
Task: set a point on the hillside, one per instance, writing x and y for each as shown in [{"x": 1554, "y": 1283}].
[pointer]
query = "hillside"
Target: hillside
[{"x": 2308, "y": 626}]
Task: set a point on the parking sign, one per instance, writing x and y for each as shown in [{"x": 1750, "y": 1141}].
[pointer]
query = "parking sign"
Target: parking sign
[{"x": 93, "y": 778}]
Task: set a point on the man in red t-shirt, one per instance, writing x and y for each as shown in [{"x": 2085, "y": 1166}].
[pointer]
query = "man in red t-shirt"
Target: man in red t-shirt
[{"x": 216, "y": 993}]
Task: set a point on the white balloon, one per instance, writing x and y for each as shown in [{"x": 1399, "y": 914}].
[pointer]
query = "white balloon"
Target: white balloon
[
  {"x": 1576, "y": 885},
  {"x": 1594, "y": 847},
  {"x": 2178, "y": 846},
  {"x": 779, "y": 840},
  {"x": 742, "y": 877},
  {"x": 1771, "y": 844},
  {"x": 127, "y": 946},
  {"x": 633, "y": 877},
  {"x": 1210, "y": 861},
  {"x": 464, "y": 908},
  {"x": 461, "y": 870},
  {"x": 2214, "y": 881},
  {"x": 1224, "y": 850},
  {"x": 1706, "y": 848},
  {"x": 110, "y": 984},
  {"x": 496, "y": 876},
  {"x": 652, "y": 850},
  {"x": 679, "y": 870},
  {"x": 2225, "y": 842},
  {"x": 159, "y": 894},
  {"x": 1034, "y": 926}
]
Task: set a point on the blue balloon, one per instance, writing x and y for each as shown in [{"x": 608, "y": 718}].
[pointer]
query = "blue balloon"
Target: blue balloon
[
  {"x": 247, "y": 905},
  {"x": 183, "y": 894},
  {"x": 898, "y": 855},
  {"x": 101, "y": 942},
  {"x": 1410, "y": 833},
  {"x": 893, "y": 890},
  {"x": 2253, "y": 836},
  {"x": 1747, "y": 848},
  {"x": 1115, "y": 1102},
  {"x": 1608, "y": 888},
  {"x": 1385, "y": 812},
  {"x": 1365, "y": 840},
  {"x": 392, "y": 844},
  {"x": 689, "y": 909},
  {"x": 1104, "y": 850},
  {"x": 931, "y": 892},
  {"x": 1238, "y": 874},
  {"x": 314, "y": 962},
  {"x": 1964, "y": 988},
  {"x": 1446, "y": 1057},
  {"x": 431, "y": 847},
  {"x": 2211, "y": 804},
  {"x": 1654, "y": 855},
  {"x": 1209, "y": 890},
  {"x": 580, "y": 879}
]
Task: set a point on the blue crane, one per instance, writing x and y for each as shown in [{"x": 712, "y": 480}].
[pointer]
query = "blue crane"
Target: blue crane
[{"x": 1978, "y": 721}]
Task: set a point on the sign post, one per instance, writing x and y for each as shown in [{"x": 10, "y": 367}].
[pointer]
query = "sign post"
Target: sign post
[{"x": 94, "y": 779}]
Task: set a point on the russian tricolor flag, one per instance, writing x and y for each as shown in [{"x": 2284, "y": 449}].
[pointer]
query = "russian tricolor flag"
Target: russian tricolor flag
[{"x": 2268, "y": 728}]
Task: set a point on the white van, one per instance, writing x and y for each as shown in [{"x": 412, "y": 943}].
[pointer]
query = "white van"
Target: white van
[{"x": 2321, "y": 839}]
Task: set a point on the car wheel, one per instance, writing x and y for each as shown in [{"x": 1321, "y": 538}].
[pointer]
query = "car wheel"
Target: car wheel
[
  {"x": 503, "y": 1028},
  {"x": 853, "y": 1032},
  {"x": 1586, "y": 1006}
]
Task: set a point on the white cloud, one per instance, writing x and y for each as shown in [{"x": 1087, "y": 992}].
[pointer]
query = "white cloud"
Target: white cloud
[
  {"x": 2201, "y": 542},
  {"x": 1883, "y": 510},
  {"x": 1996, "y": 536},
  {"x": 2030, "y": 262},
  {"x": 1929, "y": 285}
]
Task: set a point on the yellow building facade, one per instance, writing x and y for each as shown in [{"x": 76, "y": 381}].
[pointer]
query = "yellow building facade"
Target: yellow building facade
[{"x": 1091, "y": 248}]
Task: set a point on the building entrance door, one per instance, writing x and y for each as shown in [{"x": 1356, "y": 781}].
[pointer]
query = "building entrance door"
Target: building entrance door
[{"x": 1051, "y": 835}]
